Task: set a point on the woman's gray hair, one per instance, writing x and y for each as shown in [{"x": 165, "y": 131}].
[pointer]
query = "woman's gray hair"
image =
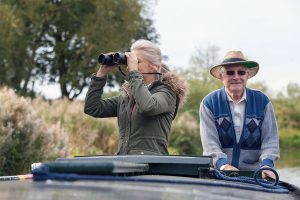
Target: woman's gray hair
[{"x": 152, "y": 52}]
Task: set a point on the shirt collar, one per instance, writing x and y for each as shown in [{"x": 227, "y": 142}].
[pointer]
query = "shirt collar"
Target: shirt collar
[{"x": 242, "y": 99}]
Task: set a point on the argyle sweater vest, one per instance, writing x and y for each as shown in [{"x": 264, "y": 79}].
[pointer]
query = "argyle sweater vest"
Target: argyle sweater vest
[{"x": 218, "y": 103}]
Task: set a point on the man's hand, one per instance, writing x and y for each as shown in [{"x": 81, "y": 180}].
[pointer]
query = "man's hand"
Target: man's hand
[
  {"x": 230, "y": 168},
  {"x": 267, "y": 174}
]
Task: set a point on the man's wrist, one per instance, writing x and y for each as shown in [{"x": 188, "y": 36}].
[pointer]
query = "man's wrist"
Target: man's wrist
[
  {"x": 222, "y": 167},
  {"x": 221, "y": 162},
  {"x": 267, "y": 162}
]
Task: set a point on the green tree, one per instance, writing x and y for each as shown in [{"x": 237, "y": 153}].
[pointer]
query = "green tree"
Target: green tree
[
  {"x": 287, "y": 107},
  {"x": 63, "y": 38},
  {"x": 259, "y": 86},
  {"x": 293, "y": 90},
  {"x": 200, "y": 81},
  {"x": 13, "y": 45},
  {"x": 205, "y": 56}
]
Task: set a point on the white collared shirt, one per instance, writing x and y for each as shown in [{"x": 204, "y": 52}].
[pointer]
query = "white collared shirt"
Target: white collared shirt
[{"x": 238, "y": 114}]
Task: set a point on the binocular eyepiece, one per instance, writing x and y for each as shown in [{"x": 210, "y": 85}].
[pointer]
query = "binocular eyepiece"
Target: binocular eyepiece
[{"x": 112, "y": 59}]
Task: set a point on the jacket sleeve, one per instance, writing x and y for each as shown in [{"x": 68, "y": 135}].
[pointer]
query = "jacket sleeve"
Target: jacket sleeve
[
  {"x": 151, "y": 104},
  {"x": 210, "y": 137},
  {"x": 94, "y": 105},
  {"x": 269, "y": 138}
]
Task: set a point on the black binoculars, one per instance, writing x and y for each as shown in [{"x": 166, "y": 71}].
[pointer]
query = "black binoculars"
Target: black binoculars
[{"x": 112, "y": 59}]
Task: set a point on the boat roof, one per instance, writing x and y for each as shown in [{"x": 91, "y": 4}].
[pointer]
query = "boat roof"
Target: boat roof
[
  {"x": 114, "y": 190},
  {"x": 132, "y": 177}
]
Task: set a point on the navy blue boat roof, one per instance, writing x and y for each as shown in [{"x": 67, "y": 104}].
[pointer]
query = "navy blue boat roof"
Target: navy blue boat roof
[
  {"x": 196, "y": 166},
  {"x": 153, "y": 183},
  {"x": 199, "y": 160}
]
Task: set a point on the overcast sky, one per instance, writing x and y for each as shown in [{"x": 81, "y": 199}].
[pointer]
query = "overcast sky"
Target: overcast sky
[{"x": 267, "y": 31}]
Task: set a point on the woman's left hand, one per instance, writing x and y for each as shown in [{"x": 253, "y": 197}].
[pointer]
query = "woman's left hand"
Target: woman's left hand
[{"x": 132, "y": 61}]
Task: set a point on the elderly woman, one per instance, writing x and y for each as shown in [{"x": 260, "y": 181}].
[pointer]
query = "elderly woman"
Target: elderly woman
[
  {"x": 147, "y": 104},
  {"x": 237, "y": 124}
]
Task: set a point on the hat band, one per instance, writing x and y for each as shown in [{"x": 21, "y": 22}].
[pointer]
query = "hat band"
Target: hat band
[{"x": 228, "y": 60}]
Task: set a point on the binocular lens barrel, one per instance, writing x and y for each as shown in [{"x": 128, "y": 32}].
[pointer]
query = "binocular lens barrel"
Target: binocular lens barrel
[
  {"x": 112, "y": 59},
  {"x": 105, "y": 59},
  {"x": 120, "y": 58}
]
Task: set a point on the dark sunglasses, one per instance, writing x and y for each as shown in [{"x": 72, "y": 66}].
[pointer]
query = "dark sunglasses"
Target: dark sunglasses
[{"x": 232, "y": 72}]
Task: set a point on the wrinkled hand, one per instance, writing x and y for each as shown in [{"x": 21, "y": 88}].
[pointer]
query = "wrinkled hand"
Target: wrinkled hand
[
  {"x": 132, "y": 61},
  {"x": 266, "y": 173},
  {"x": 230, "y": 168}
]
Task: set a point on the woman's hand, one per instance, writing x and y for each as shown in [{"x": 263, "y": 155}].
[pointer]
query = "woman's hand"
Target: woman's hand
[
  {"x": 104, "y": 70},
  {"x": 132, "y": 61}
]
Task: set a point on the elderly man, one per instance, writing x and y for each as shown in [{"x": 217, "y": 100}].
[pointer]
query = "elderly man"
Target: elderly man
[{"x": 237, "y": 124}]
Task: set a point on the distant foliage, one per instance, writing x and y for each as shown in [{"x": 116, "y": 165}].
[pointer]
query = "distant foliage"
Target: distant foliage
[
  {"x": 38, "y": 130},
  {"x": 184, "y": 136},
  {"x": 87, "y": 135},
  {"x": 44, "y": 42},
  {"x": 198, "y": 90},
  {"x": 287, "y": 107},
  {"x": 24, "y": 137}
]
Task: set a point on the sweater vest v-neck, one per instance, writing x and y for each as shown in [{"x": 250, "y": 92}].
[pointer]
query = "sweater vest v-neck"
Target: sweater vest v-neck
[{"x": 256, "y": 102}]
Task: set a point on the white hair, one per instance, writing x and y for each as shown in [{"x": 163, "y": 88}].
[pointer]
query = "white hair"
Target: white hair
[{"x": 152, "y": 52}]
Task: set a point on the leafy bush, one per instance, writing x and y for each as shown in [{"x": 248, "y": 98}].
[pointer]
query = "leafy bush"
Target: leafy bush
[
  {"x": 289, "y": 138},
  {"x": 199, "y": 88},
  {"x": 87, "y": 135},
  {"x": 38, "y": 130},
  {"x": 185, "y": 137},
  {"x": 24, "y": 137}
]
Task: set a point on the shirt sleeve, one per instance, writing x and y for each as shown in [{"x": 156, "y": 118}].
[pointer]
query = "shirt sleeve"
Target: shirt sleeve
[
  {"x": 269, "y": 138},
  {"x": 210, "y": 138}
]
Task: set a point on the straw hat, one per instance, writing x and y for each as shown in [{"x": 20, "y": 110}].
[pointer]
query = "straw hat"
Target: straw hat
[{"x": 234, "y": 58}]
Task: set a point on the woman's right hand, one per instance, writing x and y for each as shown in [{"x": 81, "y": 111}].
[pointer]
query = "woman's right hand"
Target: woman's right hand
[{"x": 104, "y": 70}]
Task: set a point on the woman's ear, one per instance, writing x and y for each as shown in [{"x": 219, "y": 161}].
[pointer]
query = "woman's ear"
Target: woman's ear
[{"x": 154, "y": 68}]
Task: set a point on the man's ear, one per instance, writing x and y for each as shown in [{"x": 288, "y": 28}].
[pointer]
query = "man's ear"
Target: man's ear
[{"x": 221, "y": 76}]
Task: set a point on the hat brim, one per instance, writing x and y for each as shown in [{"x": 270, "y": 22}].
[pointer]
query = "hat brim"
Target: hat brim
[{"x": 251, "y": 65}]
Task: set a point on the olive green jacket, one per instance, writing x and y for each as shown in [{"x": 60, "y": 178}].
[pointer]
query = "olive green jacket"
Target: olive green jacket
[{"x": 144, "y": 114}]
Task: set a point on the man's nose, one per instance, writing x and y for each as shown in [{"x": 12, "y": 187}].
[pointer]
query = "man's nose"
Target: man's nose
[{"x": 235, "y": 75}]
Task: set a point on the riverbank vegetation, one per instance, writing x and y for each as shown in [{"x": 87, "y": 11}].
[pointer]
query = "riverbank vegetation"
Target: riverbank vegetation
[
  {"x": 35, "y": 130},
  {"x": 58, "y": 42}
]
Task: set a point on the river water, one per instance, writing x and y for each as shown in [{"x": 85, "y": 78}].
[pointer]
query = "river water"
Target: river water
[
  {"x": 288, "y": 166},
  {"x": 290, "y": 175}
]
